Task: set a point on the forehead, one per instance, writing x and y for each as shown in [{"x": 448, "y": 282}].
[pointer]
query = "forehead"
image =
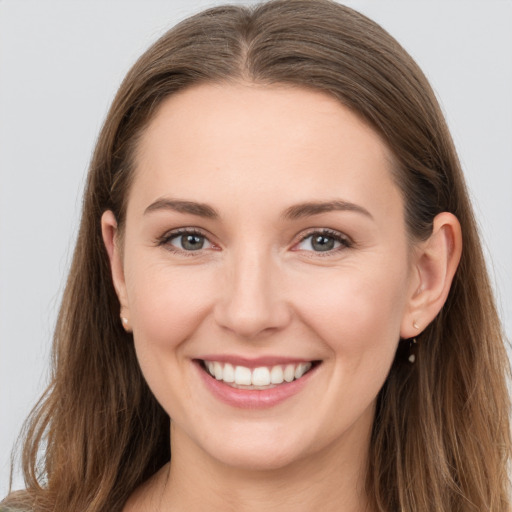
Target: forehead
[{"x": 244, "y": 141}]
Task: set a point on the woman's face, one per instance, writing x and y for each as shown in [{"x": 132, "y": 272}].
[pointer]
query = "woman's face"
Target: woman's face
[{"x": 264, "y": 238}]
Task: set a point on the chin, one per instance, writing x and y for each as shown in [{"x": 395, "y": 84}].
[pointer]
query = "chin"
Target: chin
[
  {"x": 247, "y": 446},
  {"x": 258, "y": 457}
]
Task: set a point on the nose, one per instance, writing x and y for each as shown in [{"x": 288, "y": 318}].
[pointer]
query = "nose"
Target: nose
[{"x": 252, "y": 302}]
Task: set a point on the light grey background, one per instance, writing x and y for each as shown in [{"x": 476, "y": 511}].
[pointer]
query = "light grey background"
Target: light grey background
[{"x": 60, "y": 65}]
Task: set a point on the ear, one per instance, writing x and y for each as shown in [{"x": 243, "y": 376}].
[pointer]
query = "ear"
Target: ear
[
  {"x": 109, "y": 231},
  {"x": 434, "y": 264}
]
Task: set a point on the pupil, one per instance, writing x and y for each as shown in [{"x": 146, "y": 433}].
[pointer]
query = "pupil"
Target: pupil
[
  {"x": 322, "y": 243},
  {"x": 192, "y": 242}
]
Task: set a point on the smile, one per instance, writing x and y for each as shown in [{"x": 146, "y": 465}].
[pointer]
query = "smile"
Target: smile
[
  {"x": 255, "y": 383},
  {"x": 262, "y": 377}
]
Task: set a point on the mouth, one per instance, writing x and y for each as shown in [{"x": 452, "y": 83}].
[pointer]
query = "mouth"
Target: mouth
[{"x": 257, "y": 378}]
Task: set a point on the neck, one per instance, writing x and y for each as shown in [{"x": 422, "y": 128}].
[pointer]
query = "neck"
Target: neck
[{"x": 331, "y": 480}]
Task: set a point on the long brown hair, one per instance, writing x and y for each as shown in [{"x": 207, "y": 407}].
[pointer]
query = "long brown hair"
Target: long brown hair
[{"x": 441, "y": 438}]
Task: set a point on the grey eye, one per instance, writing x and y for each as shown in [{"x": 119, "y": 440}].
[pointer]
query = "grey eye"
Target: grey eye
[
  {"x": 189, "y": 242},
  {"x": 321, "y": 242}
]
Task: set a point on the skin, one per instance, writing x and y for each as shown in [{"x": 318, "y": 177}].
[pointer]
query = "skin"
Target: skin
[{"x": 258, "y": 288}]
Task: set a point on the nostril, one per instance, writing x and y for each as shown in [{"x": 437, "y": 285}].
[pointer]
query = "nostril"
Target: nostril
[{"x": 251, "y": 319}]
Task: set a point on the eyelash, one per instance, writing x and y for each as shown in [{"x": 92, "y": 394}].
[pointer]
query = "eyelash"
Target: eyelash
[
  {"x": 166, "y": 239},
  {"x": 344, "y": 241}
]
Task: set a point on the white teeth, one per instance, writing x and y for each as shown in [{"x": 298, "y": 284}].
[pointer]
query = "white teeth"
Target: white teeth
[
  {"x": 302, "y": 369},
  {"x": 289, "y": 372},
  {"x": 229, "y": 373},
  {"x": 261, "y": 376},
  {"x": 243, "y": 376},
  {"x": 217, "y": 370},
  {"x": 257, "y": 377},
  {"x": 276, "y": 375}
]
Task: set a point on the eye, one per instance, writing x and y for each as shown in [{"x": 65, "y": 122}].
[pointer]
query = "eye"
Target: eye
[
  {"x": 189, "y": 242},
  {"x": 323, "y": 241},
  {"x": 186, "y": 240}
]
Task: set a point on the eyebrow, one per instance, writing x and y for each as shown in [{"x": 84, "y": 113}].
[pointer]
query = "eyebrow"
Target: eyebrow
[
  {"x": 315, "y": 208},
  {"x": 191, "y": 207},
  {"x": 294, "y": 212}
]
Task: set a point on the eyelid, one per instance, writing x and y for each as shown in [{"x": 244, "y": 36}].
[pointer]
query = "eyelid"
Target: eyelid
[
  {"x": 189, "y": 230},
  {"x": 345, "y": 241}
]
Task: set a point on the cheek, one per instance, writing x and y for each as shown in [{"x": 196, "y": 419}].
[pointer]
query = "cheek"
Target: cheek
[
  {"x": 357, "y": 316},
  {"x": 357, "y": 310},
  {"x": 166, "y": 307},
  {"x": 167, "y": 304}
]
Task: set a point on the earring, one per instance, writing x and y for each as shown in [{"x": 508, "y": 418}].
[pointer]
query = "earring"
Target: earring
[
  {"x": 412, "y": 350},
  {"x": 125, "y": 323},
  {"x": 415, "y": 325}
]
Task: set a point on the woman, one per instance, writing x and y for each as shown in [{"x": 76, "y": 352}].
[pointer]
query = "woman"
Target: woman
[{"x": 270, "y": 254}]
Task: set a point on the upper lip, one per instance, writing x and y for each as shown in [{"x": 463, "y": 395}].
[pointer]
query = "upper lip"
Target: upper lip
[{"x": 255, "y": 362}]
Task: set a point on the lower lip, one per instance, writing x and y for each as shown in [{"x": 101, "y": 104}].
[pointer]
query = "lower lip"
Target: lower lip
[{"x": 253, "y": 398}]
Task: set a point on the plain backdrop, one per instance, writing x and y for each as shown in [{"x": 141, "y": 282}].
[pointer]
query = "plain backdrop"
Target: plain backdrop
[{"x": 60, "y": 65}]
